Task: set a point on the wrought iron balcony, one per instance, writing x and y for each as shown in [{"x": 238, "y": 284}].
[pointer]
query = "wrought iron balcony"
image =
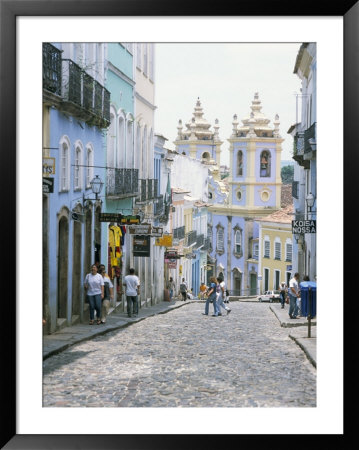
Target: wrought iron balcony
[
  {"x": 72, "y": 90},
  {"x": 148, "y": 190},
  {"x": 178, "y": 233},
  {"x": 51, "y": 70},
  {"x": 207, "y": 246},
  {"x": 310, "y": 138},
  {"x": 199, "y": 241},
  {"x": 122, "y": 183},
  {"x": 190, "y": 238},
  {"x": 159, "y": 206},
  {"x": 298, "y": 150}
]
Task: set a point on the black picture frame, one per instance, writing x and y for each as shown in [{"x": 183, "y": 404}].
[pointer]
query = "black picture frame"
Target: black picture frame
[{"x": 10, "y": 9}]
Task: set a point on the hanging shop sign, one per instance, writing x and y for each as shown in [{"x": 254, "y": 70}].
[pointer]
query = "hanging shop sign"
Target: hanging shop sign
[
  {"x": 130, "y": 220},
  {"x": 157, "y": 231},
  {"x": 165, "y": 240},
  {"x": 47, "y": 185},
  {"x": 143, "y": 228},
  {"x": 141, "y": 245},
  {"x": 171, "y": 263},
  {"x": 304, "y": 226},
  {"x": 48, "y": 166},
  {"x": 109, "y": 217}
]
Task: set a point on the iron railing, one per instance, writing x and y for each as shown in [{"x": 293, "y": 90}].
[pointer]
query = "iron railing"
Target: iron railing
[
  {"x": 178, "y": 233},
  {"x": 199, "y": 241},
  {"x": 190, "y": 238},
  {"x": 310, "y": 133},
  {"x": 77, "y": 93},
  {"x": 51, "y": 69},
  {"x": 122, "y": 183},
  {"x": 148, "y": 190},
  {"x": 158, "y": 206}
]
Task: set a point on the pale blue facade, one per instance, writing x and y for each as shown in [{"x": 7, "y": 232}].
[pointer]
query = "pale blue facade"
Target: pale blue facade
[{"x": 74, "y": 122}]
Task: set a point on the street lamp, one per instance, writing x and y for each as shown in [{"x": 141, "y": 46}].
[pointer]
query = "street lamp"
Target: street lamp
[
  {"x": 310, "y": 199},
  {"x": 96, "y": 187}
]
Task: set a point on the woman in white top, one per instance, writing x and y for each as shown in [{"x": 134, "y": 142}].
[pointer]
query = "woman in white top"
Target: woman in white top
[{"x": 94, "y": 286}]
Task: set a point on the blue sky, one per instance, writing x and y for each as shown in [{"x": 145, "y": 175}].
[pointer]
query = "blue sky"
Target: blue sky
[{"x": 225, "y": 77}]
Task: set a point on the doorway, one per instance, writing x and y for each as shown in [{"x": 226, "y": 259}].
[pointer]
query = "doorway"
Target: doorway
[{"x": 62, "y": 267}]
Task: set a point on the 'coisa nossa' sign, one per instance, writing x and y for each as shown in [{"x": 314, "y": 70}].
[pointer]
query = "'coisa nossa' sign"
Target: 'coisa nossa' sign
[{"x": 304, "y": 226}]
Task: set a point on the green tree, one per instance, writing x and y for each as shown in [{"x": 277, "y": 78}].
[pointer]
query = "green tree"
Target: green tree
[{"x": 287, "y": 174}]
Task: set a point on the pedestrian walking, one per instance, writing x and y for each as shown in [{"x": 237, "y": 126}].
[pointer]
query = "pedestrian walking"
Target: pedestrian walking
[
  {"x": 108, "y": 293},
  {"x": 211, "y": 298},
  {"x": 283, "y": 293},
  {"x": 183, "y": 289},
  {"x": 94, "y": 286},
  {"x": 294, "y": 293},
  {"x": 222, "y": 296},
  {"x": 171, "y": 286},
  {"x": 132, "y": 284}
]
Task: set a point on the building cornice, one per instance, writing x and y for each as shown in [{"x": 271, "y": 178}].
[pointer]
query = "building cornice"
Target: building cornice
[
  {"x": 146, "y": 102},
  {"x": 120, "y": 74}
]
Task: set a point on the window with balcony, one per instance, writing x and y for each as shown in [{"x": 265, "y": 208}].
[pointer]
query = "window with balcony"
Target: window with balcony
[{"x": 255, "y": 251}]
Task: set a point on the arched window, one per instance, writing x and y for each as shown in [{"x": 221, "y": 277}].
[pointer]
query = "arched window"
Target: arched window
[
  {"x": 111, "y": 140},
  {"x": 121, "y": 142},
  {"x": 265, "y": 166},
  {"x": 89, "y": 165},
  {"x": 129, "y": 142},
  {"x": 240, "y": 163},
  {"x": 206, "y": 156},
  {"x": 78, "y": 166},
  {"x": 238, "y": 242},
  {"x": 64, "y": 164}
]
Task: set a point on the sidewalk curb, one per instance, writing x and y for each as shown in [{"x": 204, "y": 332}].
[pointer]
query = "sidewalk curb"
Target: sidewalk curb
[
  {"x": 108, "y": 328},
  {"x": 305, "y": 350}
]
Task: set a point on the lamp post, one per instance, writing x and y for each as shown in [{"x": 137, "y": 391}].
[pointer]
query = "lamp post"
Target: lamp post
[
  {"x": 96, "y": 187},
  {"x": 310, "y": 199}
]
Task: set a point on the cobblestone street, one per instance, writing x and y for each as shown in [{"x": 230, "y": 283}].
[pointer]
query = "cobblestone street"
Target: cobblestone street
[{"x": 185, "y": 359}]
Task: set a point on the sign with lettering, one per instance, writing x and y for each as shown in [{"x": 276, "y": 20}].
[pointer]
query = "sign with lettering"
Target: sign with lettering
[
  {"x": 143, "y": 228},
  {"x": 165, "y": 240},
  {"x": 130, "y": 220},
  {"x": 171, "y": 263},
  {"x": 304, "y": 226},
  {"x": 141, "y": 245},
  {"x": 48, "y": 166},
  {"x": 47, "y": 185},
  {"x": 157, "y": 231},
  {"x": 110, "y": 217}
]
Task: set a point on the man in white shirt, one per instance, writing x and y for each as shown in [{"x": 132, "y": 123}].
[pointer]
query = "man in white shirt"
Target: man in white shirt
[
  {"x": 132, "y": 284},
  {"x": 294, "y": 293}
]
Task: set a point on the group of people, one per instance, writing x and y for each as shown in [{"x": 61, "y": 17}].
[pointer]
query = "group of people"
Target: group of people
[
  {"x": 216, "y": 294},
  {"x": 99, "y": 293},
  {"x": 292, "y": 295}
]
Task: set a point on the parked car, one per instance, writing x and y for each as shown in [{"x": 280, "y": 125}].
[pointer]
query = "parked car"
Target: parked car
[{"x": 269, "y": 296}]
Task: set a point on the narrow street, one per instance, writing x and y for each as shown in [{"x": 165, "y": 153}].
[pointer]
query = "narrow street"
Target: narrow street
[{"x": 185, "y": 359}]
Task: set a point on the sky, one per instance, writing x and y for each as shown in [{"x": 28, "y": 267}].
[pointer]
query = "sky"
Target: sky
[{"x": 225, "y": 77}]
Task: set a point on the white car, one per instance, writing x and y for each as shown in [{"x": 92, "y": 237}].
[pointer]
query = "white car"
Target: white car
[{"x": 269, "y": 296}]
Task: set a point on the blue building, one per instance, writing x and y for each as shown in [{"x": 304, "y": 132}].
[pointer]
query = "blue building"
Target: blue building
[{"x": 76, "y": 110}]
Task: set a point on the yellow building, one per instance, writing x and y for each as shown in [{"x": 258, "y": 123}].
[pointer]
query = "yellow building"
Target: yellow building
[{"x": 275, "y": 249}]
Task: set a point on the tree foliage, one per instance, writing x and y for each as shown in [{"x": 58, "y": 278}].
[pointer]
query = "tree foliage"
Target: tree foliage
[{"x": 287, "y": 174}]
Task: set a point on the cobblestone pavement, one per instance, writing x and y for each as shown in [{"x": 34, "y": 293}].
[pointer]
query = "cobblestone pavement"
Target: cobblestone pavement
[{"x": 185, "y": 359}]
